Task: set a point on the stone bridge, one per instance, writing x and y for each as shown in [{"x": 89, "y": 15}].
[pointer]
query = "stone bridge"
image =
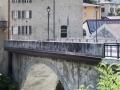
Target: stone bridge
[{"x": 73, "y": 63}]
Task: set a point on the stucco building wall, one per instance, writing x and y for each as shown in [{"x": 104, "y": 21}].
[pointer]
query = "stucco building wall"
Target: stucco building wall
[{"x": 90, "y": 13}]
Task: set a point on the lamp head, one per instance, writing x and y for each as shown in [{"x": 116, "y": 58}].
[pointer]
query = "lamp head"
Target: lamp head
[
  {"x": 48, "y": 9},
  {"x": 96, "y": 8}
]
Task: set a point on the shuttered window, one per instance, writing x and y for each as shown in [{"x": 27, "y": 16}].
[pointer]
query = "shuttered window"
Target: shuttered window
[
  {"x": 16, "y": 14},
  {"x": 23, "y": 1},
  {"x": 15, "y": 29},
  {"x": 16, "y": 1},
  {"x": 26, "y": 14},
  {"x": 26, "y": 30},
  {"x": 21, "y": 30},
  {"x": 26, "y": 1}
]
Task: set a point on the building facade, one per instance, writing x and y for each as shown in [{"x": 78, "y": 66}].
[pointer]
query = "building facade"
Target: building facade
[
  {"x": 108, "y": 8},
  {"x": 29, "y": 19},
  {"x": 89, "y": 11},
  {"x": 3, "y": 35}
]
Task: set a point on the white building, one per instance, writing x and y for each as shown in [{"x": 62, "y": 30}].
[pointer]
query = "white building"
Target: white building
[
  {"x": 108, "y": 7},
  {"x": 90, "y": 28},
  {"x": 29, "y": 19}
]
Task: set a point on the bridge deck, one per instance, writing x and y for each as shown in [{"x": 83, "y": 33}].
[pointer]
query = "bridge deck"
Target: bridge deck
[
  {"x": 86, "y": 52},
  {"x": 68, "y": 57}
]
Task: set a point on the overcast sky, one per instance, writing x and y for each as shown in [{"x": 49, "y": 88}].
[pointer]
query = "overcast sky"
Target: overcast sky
[{"x": 117, "y": 1}]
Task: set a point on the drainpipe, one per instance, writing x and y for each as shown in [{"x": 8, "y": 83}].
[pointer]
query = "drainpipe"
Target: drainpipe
[
  {"x": 54, "y": 19},
  {"x": 8, "y": 19},
  {"x": 9, "y": 53}
]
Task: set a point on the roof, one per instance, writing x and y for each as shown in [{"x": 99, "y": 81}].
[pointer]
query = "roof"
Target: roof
[
  {"x": 87, "y": 4},
  {"x": 92, "y": 23},
  {"x": 113, "y": 17},
  {"x": 114, "y": 27},
  {"x": 106, "y": 2}
]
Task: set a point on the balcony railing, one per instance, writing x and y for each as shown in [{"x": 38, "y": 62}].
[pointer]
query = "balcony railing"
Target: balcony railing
[{"x": 3, "y": 24}]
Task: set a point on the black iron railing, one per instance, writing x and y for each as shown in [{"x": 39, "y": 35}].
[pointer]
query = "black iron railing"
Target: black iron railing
[{"x": 112, "y": 50}]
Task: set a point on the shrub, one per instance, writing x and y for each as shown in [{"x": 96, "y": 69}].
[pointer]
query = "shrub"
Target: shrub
[
  {"x": 6, "y": 83},
  {"x": 108, "y": 79}
]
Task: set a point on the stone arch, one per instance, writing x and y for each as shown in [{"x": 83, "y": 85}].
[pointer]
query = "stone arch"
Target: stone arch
[{"x": 47, "y": 63}]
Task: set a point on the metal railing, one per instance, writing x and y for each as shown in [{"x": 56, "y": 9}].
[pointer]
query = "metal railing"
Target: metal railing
[{"x": 112, "y": 50}]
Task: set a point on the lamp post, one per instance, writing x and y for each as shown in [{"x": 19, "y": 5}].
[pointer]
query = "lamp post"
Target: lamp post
[
  {"x": 96, "y": 10},
  {"x": 48, "y": 10}
]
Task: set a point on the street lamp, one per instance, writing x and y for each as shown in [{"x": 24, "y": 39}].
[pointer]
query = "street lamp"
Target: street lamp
[
  {"x": 96, "y": 10},
  {"x": 48, "y": 10}
]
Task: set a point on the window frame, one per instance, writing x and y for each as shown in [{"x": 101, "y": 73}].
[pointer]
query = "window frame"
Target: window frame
[
  {"x": 26, "y": 30},
  {"x": 85, "y": 14},
  {"x": 25, "y": 1},
  {"x": 102, "y": 9},
  {"x": 63, "y": 31},
  {"x": 15, "y": 30},
  {"x": 16, "y": 1},
  {"x": 25, "y": 12},
  {"x": 16, "y": 14}
]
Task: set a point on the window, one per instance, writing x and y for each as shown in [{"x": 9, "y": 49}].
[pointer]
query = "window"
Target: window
[
  {"x": 94, "y": 14},
  {"x": 26, "y": 1},
  {"x": 111, "y": 9},
  {"x": 15, "y": 29},
  {"x": 63, "y": 31},
  {"x": 26, "y": 30},
  {"x": 16, "y": 14},
  {"x": 15, "y": 1},
  {"x": 102, "y": 9},
  {"x": 85, "y": 14},
  {"x": 26, "y": 14},
  {"x": 84, "y": 32}
]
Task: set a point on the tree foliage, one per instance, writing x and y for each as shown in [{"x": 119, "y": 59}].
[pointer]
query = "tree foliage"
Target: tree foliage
[
  {"x": 6, "y": 83},
  {"x": 118, "y": 11},
  {"x": 90, "y": 1},
  {"x": 108, "y": 79}
]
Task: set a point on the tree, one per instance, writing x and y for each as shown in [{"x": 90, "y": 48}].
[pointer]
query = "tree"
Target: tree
[
  {"x": 109, "y": 78},
  {"x": 90, "y": 1},
  {"x": 118, "y": 11},
  {"x": 6, "y": 83}
]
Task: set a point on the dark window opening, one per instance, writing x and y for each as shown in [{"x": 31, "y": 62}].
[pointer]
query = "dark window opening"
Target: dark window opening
[
  {"x": 102, "y": 9},
  {"x": 63, "y": 31},
  {"x": 84, "y": 32}
]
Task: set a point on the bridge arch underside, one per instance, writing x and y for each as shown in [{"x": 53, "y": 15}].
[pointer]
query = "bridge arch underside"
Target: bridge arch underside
[
  {"x": 71, "y": 74},
  {"x": 40, "y": 77}
]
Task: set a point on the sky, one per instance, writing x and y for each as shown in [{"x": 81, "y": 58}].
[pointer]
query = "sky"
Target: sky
[{"x": 116, "y": 1}]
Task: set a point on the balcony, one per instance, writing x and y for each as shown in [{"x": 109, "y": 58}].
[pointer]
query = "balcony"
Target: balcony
[{"x": 3, "y": 24}]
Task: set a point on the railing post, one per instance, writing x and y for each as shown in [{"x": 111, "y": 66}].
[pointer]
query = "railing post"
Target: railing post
[
  {"x": 117, "y": 50},
  {"x": 103, "y": 56}
]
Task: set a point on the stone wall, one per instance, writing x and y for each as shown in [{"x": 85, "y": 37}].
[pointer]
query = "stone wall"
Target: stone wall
[
  {"x": 3, "y": 54},
  {"x": 71, "y": 74},
  {"x": 89, "y": 49},
  {"x": 3, "y": 36},
  {"x": 67, "y": 12}
]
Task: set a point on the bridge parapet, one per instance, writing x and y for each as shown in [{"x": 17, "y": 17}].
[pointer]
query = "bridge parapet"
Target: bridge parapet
[{"x": 89, "y": 49}]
